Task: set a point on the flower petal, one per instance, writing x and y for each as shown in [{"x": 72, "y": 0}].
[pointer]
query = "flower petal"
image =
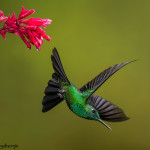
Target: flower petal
[
  {"x": 24, "y": 13},
  {"x": 36, "y": 22},
  {"x": 3, "y": 34},
  {"x": 40, "y": 42},
  {"x": 31, "y": 38},
  {"x": 10, "y": 22},
  {"x": 1, "y": 13},
  {"x": 24, "y": 40},
  {"x": 13, "y": 18},
  {"x": 2, "y": 19}
]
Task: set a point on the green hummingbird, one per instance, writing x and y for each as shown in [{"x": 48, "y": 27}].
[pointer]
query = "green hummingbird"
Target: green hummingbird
[{"x": 82, "y": 101}]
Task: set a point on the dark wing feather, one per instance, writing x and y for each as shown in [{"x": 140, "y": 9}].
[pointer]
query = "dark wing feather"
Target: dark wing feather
[
  {"x": 57, "y": 65},
  {"x": 106, "y": 109},
  {"x": 102, "y": 77}
]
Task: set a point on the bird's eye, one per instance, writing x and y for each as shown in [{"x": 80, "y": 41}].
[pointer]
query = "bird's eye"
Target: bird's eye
[{"x": 93, "y": 110}]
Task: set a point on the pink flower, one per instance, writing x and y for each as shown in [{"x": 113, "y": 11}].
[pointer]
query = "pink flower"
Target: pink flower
[
  {"x": 28, "y": 29},
  {"x": 2, "y": 18},
  {"x": 37, "y": 22}
]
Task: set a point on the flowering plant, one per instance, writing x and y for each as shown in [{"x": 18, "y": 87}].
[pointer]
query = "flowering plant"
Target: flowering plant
[{"x": 28, "y": 29}]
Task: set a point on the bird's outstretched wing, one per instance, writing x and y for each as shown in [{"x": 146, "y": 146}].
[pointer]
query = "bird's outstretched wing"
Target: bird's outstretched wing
[
  {"x": 94, "y": 84},
  {"x": 58, "y": 68},
  {"x": 106, "y": 109}
]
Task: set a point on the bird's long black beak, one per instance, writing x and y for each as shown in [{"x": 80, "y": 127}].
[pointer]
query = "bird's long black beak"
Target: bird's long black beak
[{"x": 104, "y": 124}]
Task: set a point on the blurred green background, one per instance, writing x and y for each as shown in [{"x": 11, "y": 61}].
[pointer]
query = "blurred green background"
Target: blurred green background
[{"x": 90, "y": 35}]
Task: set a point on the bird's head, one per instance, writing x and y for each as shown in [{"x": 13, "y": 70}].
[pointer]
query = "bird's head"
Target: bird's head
[{"x": 94, "y": 115}]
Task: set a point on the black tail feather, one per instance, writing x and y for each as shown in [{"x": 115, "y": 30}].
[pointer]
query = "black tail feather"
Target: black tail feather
[
  {"x": 49, "y": 90},
  {"x": 50, "y": 105},
  {"x": 54, "y": 83},
  {"x": 52, "y": 96}
]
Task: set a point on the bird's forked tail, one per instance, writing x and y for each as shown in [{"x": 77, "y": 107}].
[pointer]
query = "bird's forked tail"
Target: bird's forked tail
[{"x": 54, "y": 92}]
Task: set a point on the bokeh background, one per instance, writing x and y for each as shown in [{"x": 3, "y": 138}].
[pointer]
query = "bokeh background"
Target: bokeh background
[{"x": 90, "y": 35}]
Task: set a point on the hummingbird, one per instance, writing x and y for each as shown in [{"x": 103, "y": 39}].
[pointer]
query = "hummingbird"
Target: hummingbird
[{"x": 82, "y": 101}]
